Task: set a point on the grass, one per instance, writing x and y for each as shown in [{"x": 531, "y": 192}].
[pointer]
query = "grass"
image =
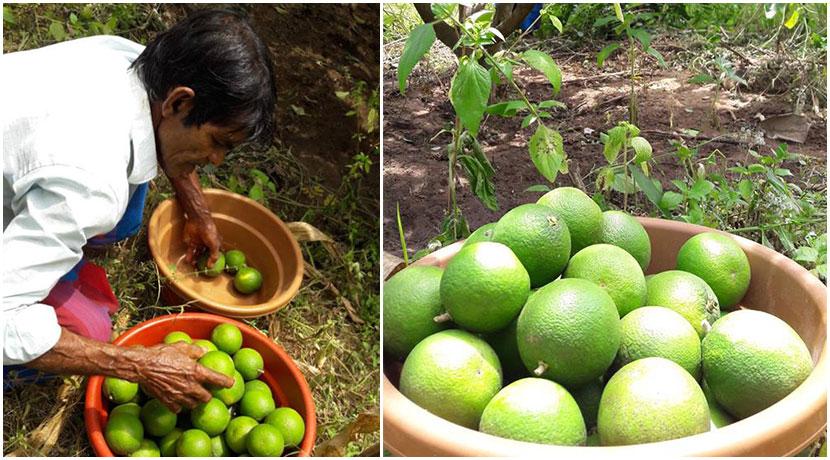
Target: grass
[{"x": 330, "y": 329}]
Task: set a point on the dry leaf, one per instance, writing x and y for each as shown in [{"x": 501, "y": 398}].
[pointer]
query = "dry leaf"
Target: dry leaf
[{"x": 368, "y": 422}]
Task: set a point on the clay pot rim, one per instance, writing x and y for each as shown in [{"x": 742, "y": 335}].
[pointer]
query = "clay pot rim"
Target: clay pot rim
[
  {"x": 276, "y": 302},
  {"x": 403, "y": 416},
  {"x": 93, "y": 401}
]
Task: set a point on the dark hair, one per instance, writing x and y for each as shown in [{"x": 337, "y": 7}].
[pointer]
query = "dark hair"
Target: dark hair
[{"x": 219, "y": 56}]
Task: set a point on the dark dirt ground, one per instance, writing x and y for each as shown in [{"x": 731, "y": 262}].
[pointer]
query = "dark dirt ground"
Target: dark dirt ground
[{"x": 415, "y": 173}]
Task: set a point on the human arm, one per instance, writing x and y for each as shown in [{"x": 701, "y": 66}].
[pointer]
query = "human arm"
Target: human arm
[
  {"x": 168, "y": 372},
  {"x": 199, "y": 230}
]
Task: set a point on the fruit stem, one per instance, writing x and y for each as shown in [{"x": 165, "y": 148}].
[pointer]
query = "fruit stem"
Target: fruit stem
[
  {"x": 541, "y": 369},
  {"x": 443, "y": 318}
]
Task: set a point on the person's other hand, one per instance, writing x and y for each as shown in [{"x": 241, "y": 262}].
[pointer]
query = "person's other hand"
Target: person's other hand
[
  {"x": 171, "y": 374},
  {"x": 198, "y": 234}
]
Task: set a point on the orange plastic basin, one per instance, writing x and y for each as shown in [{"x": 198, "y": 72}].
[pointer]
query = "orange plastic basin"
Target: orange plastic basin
[
  {"x": 779, "y": 286},
  {"x": 243, "y": 224},
  {"x": 281, "y": 374}
]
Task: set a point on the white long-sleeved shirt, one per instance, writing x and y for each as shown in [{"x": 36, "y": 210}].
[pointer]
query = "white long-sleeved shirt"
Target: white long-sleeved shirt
[{"x": 77, "y": 138}]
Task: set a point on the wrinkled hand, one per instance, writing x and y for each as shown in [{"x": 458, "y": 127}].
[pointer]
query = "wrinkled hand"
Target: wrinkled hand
[
  {"x": 198, "y": 234},
  {"x": 171, "y": 374}
]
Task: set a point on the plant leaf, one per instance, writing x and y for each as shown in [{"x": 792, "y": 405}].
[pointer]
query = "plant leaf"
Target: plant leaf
[
  {"x": 443, "y": 10},
  {"x": 552, "y": 103},
  {"x": 618, "y": 12},
  {"x": 548, "y": 152},
  {"x": 480, "y": 173},
  {"x": 793, "y": 19},
  {"x": 805, "y": 254},
  {"x": 642, "y": 149},
  {"x": 657, "y": 56},
  {"x": 544, "y": 63},
  {"x": 507, "y": 108},
  {"x": 605, "y": 53},
  {"x": 556, "y": 23},
  {"x": 746, "y": 187},
  {"x": 8, "y": 16},
  {"x": 255, "y": 193},
  {"x": 702, "y": 79},
  {"x": 642, "y": 36},
  {"x": 614, "y": 143},
  {"x": 538, "y": 188},
  {"x": 419, "y": 42},
  {"x": 56, "y": 31},
  {"x": 700, "y": 189},
  {"x": 648, "y": 188},
  {"x": 671, "y": 200},
  {"x": 528, "y": 120},
  {"x": 469, "y": 93}
]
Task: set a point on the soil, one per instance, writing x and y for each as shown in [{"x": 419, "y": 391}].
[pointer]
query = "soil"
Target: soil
[{"x": 415, "y": 165}]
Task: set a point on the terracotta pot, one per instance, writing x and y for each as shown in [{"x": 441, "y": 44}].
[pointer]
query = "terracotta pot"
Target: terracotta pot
[
  {"x": 779, "y": 286},
  {"x": 281, "y": 374},
  {"x": 245, "y": 225}
]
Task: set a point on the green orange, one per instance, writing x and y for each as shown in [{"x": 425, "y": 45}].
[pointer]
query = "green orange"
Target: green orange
[
  {"x": 247, "y": 280},
  {"x": 177, "y": 336},
  {"x": 237, "y": 432},
  {"x": 211, "y": 417},
  {"x": 290, "y": 423},
  {"x": 717, "y": 259},
  {"x": 120, "y": 391},
  {"x": 411, "y": 301},
  {"x": 234, "y": 260},
  {"x": 157, "y": 418},
  {"x": 249, "y": 363},
  {"x": 483, "y": 233},
  {"x": 215, "y": 269},
  {"x": 264, "y": 441},
  {"x": 227, "y": 337},
  {"x": 686, "y": 294},
  {"x": 614, "y": 270},
  {"x": 580, "y": 213},
  {"x": 662, "y": 332},
  {"x": 623, "y": 230},
  {"x": 124, "y": 433},
  {"x": 194, "y": 443}
]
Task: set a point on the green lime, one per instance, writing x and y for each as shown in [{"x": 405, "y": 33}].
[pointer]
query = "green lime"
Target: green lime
[
  {"x": 290, "y": 423},
  {"x": 148, "y": 448},
  {"x": 659, "y": 331},
  {"x": 211, "y": 417},
  {"x": 234, "y": 260},
  {"x": 539, "y": 238},
  {"x": 247, "y": 280},
  {"x": 264, "y": 441},
  {"x": 218, "y": 361},
  {"x": 650, "y": 400},
  {"x": 219, "y": 447},
  {"x": 206, "y": 345},
  {"x": 719, "y": 416},
  {"x": 157, "y": 418},
  {"x": 231, "y": 395},
  {"x": 256, "y": 404},
  {"x": 177, "y": 336},
  {"x": 237, "y": 432},
  {"x": 686, "y": 294},
  {"x": 119, "y": 391},
  {"x": 411, "y": 301},
  {"x": 167, "y": 445},
  {"x": 257, "y": 385},
  {"x": 752, "y": 359},
  {"x": 227, "y": 338},
  {"x": 622, "y": 230},
  {"x": 130, "y": 408},
  {"x": 614, "y": 270},
  {"x": 587, "y": 398},
  {"x": 505, "y": 345},
  {"x": 452, "y": 374},
  {"x": 582, "y": 216},
  {"x": 569, "y": 332},
  {"x": 717, "y": 259},
  {"x": 249, "y": 363},
  {"x": 194, "y": 443},
  {"x": 535, "y": 410},
  {"x": 216, "y": 269},
  {"x": 124, "y": 434},
  {"x": 484, "y": 287},
  {"x": 483, "y": 233}
]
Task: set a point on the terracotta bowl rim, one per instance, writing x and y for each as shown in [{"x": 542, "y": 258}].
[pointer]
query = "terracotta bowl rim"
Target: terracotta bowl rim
[
  {"x": 404, "y": 416},
  {"x": 247, "y": 311},
  {"x": 93, "y": 399}
]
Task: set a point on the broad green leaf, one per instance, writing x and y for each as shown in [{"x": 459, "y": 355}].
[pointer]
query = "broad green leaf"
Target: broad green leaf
[
  {"x": 633, "y": 130},
  {"x": 614, "y": 143},
  {"x": 642, "y": 149},
  {"x": 255, "y": 193},
  {"x": 605, "y": 178},
  {"x": 469, "y": 93},
  {"x": 480, "y": 182},
  {"x": 8, "y": 16},
  {"x": 756, "y": 168},
  {"x": 443, "y": 10},
  {"x": 700, "y": 189},
  {"x": 548, "y": 152},
  {"x": 781, "y": 172},
  {"x": 496, "y": 32},
  {"x": 552, "y": 103},
  {"x": 657, "y": 56},
  {"x": 680, "y": 185},
  {"x": 506, "y": 109},
  {"x": 805, "y": 254},
  {"x": 605, "y": 53},
  {"x": 544, "y": 63},
  {"x": 57, "y": 31},
  {"x": 556, "y": 23},
  {"x": 642, "y": 36},
  {"x": 821, "y": 243},
  {"x": 599, "y": 22},
  {"x": 259, "y": 176},
  {"x": 618, "y": 12},
  {"x": 648, "y": 188},
  {"x": 702, "y": 79},
  {"x": 793, "y": 19},
  {"x": 821, "y": 271},
  {"x": 746, "y": 187},
  {"x": 528, "y": 120},
  {"x": 671, "y": 200},
  {"x": 538, "y": 188},
  {"x": 623, "y": 184},
  {"x": 482, "y": 17},
  {"x": 419, "y": 42}
]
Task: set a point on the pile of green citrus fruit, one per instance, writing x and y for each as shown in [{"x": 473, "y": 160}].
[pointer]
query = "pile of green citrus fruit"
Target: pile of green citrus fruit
[
  {"x": 544, "y": 328},
  {"x": 246, "y": 280},
  {"x": 240, "y": 420}
]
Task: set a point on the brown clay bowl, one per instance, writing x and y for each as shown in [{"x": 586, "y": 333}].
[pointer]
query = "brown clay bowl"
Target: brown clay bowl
[
  {"x": 779, "y": 286},
  {"x": 245, "y": 225}
]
